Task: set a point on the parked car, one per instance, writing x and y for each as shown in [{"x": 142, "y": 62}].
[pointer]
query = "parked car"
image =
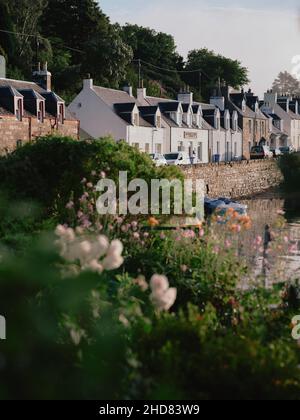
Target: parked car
[
  {"x": 261, "y": 152},
  {"x": 180, "y": 158},
  {"x": 158, "y": 159},
  {"x": 276, "y": 152},
  {"x": 287, "y": 150}
]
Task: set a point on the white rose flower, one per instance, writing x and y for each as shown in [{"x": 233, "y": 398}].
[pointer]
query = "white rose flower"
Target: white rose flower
[{"x": 159, "y": 283}]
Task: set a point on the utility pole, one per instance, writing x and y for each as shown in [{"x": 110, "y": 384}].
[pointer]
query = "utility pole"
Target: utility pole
[
  {"x": 37, "y": 47},
  {"x": 140, "y": 72},
  {"x": 200, "y": 83}
]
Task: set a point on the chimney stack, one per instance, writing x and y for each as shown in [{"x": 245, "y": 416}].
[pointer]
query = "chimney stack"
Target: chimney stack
[
  {"x": 2, "y": 67},
  {"x": 43, "y": 77},
  {"x": 128, "y": 89},
  {"x": 88, "y": 83}
]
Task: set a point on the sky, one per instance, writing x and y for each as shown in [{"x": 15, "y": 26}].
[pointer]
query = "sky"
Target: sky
[{"x": 263, "y": 35}]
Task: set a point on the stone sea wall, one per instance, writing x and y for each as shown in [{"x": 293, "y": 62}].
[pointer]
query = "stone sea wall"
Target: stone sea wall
[{"x": 236, "y": 179}]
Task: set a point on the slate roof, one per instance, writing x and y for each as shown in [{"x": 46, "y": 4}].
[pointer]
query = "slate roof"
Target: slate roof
[
  {"x": 113, "y": 96},
  {"x": 124, "y": 107},
  {"x": 31, "y": 94},
  {"x": 22, "y": 88},
  {"x": 148, "y": 110},
  {"x": 153, "y": 101},
  {"x": 168, "y": 106},
  {"x": 185, "y": 107},
  {"x": 196, "y": 108},
  {"x": 19, "y": 84},
  {"x": 122, "y": 100}
]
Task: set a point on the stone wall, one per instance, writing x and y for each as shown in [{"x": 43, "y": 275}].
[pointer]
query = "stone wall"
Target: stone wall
[
  {"x": 236, "y": 179},
  {"x": 13, "y": 131}
]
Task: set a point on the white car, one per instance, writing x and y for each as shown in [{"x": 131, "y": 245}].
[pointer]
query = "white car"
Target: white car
[
  {"x": 179, "y": 158},
  {"x": 158, "y": 159}
]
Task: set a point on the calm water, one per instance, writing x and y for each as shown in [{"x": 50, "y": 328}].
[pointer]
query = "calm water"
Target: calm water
[{"x": 263, "y": 210}]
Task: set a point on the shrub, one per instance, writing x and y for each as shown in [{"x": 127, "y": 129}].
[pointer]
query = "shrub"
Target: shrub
[{"x": 52, "y": 168}]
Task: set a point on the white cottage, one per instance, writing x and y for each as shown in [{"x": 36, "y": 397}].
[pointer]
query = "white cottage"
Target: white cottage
[{"x": 107, "y": 112}]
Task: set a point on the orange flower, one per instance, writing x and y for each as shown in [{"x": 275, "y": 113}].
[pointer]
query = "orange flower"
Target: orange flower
[
  {"x": 245, "y": 220},
  {"x": 234, "y": 228},
  {"x": 248, "y": 225},
  {"x": 153, "y": 222}
]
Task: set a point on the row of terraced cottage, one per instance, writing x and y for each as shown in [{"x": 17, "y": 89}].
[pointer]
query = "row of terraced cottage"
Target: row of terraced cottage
[{"x": 227, "y": 127}]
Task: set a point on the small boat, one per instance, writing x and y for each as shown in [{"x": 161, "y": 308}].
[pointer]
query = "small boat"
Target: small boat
[{"x": 223, "y": 205}]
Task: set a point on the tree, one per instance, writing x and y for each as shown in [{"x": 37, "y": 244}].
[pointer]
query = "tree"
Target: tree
[
  {"x": 159, "y": 50},
  {"x": 75, "y": 22},
  {"x": 286, "y": 84},
  {"x": 21, "y": 20},
  {"x": 86, "y": 43},
  {"x": 212, "y": 67}
]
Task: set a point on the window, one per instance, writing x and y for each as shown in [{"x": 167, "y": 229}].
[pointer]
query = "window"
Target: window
[
  {"x": 158, "y": 148},
  {"x": 235, "y": 150},
  {"x": 179, "y": 118},
  {"x": 19, "y": 143},
  {"x": 41, "y": 113},
  {"x": 136, "y": 119},
  {"x": 180, "y": 146},
  {"x": 199, "y": 121},
  {"x": 147, "y": 148},
  {"x": 19, "y": 109},
  {"x": 228, "y": 151},
  {"x": 136, "y": 145},
  {"x": 191, "y": 149},
  {"x": 218, "y": 147},
  {"x": 61, "y": 113},
  {"x": 200, "y": 152},
  {"x": 250, "y": 126}
]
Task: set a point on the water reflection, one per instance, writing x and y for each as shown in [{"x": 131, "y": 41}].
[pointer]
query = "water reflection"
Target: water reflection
[{"x": 264, "y": 210}]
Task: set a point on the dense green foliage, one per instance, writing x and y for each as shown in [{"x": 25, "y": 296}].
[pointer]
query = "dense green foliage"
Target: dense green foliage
[
  {"x": 51, "y": 181},
  {"x": 214, "y": 67},
  {"x": 77, "y": 38},
  {"x": 290, "y": 167}
]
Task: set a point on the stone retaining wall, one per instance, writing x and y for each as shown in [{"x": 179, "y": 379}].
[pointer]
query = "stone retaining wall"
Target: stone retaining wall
[{"x": 236, "y": 179}]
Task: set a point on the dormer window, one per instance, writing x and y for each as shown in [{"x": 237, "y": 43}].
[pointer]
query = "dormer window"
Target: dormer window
[
  {"x": 158, "y": 121},
  {"x": 227, "y": 123},
  {"x": 41, "y": 111},
  {"x": 244, "y": 106},
  {"x": 281, "y": 125},
  {"x": 199, "y": 121},
  {"x": 19, "y": 109},
  {"x": 179, "y": 117},
  {"x": 188, "y": 117},
  {"x": 235, "y": 125},
  {"x": 61, "y": 113},
  {"x": 135, "y": 119}
]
